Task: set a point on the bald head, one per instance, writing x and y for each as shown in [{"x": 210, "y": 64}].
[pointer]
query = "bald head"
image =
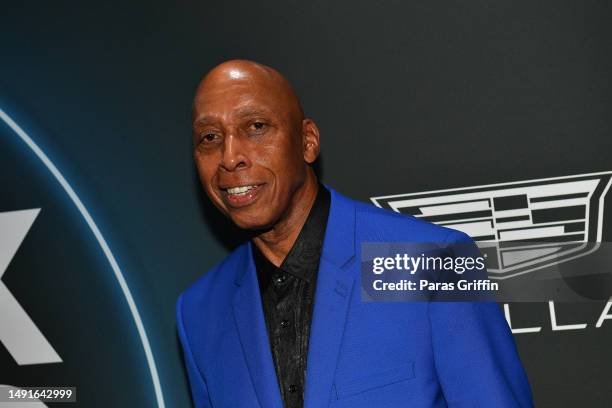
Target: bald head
[{"x": 249, "y": 74}]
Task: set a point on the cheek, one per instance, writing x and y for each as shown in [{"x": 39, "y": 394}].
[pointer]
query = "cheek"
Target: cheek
[
  {"x": 206, "y": 167},
  {"x": 284, "y": 161},
  {"x": 206, "y": 174}
]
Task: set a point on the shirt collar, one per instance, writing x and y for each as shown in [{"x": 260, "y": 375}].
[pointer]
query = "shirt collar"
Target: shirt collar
[{"x": 302, "y": 260}]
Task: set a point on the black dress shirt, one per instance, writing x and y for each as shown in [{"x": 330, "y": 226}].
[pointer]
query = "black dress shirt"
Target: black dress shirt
[{"x": 287, "y": 294}]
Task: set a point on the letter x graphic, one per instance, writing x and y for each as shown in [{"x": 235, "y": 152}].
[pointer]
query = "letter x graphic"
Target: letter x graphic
[{"x": 18, "y": 333}]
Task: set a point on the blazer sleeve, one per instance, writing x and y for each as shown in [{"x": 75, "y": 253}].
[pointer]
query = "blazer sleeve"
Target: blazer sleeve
[
  {"x": 475, "y": 355},
  {"x": 199, "y": 391}
]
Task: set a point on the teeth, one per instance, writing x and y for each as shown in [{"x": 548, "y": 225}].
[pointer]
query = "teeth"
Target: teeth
[{"x": 239, "y": 190}]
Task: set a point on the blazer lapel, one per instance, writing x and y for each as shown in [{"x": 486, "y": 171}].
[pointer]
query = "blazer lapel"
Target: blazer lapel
[
  {"x": 332, "y": 296},
  {"x": 248, "y": 314}
]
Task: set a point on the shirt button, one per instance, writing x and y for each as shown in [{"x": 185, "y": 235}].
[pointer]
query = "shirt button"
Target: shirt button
[
  {"x": 284, "y": 323},
  {"x": 293, "y": 388},
  {"x": 280, "y": 279}
]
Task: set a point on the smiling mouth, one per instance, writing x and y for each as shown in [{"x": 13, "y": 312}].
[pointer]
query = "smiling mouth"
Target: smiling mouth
[
  {"x": 240, "y": 196},
  {"x": 240, "y": 190}
]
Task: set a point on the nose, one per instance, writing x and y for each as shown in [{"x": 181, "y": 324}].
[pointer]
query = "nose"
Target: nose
[{"x": 234, "y": 157}]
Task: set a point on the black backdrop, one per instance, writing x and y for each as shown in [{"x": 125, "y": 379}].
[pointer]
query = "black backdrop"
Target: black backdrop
[{"x": 409, "y": 96}]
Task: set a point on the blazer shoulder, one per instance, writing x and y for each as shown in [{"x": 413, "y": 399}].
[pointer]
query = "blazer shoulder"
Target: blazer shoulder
[
  {"x": 217, "y": 282},
  {"x": 383, "y": 224}
]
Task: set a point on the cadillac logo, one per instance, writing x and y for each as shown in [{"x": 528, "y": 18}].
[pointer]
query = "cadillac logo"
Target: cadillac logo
[{"x": 520, "y": 226}]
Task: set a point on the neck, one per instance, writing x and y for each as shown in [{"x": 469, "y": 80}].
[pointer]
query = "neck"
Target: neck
[{"x": 276, "y": 242}]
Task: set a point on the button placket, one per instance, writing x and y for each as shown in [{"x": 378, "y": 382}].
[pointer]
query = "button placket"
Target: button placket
[{"x": 280, "y": 278}]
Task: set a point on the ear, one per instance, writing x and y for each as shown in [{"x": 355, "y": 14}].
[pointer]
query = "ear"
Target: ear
[{"x": 310, "y": 140}]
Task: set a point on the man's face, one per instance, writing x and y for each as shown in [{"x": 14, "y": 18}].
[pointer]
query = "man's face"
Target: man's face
[{"x": 248, "y": 150}]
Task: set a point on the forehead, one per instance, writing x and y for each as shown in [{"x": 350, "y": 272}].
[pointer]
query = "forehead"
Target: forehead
[{"x": 236, "y": 99}]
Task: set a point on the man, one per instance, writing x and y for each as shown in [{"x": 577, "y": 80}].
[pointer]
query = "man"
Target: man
[{"x": 280, "y": 322}]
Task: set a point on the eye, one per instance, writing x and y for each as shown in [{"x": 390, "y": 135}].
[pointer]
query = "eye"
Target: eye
[
  {"x": 208, "y": 137},
  {"x": 258, "y": 126}
]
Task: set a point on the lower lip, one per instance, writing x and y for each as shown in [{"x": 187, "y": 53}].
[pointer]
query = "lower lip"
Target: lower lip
[{"x": 242, "y": 200}]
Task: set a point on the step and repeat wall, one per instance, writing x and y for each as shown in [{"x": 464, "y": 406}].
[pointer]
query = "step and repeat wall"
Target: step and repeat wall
[{"x": 491, "y": 118}]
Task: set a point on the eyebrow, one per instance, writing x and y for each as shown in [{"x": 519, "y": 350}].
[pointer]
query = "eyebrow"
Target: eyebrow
[
  {"x": 206, "y": 120},
  {"x": 251, "y": 111},
  {"x": 247, "y": 111}
]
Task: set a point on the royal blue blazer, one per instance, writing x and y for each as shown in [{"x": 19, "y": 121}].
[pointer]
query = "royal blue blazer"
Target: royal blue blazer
[{"x": 361, "y": 354}]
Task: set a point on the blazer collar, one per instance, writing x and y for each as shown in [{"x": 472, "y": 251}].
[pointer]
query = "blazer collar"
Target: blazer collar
[
  {"x": 250, "y": 322},
  {"x": 339, "y": 244},
  {"x": 332, "y": 298}
]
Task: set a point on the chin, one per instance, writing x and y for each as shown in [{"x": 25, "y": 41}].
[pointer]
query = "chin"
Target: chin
[{"x": 248, "y": 222}]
